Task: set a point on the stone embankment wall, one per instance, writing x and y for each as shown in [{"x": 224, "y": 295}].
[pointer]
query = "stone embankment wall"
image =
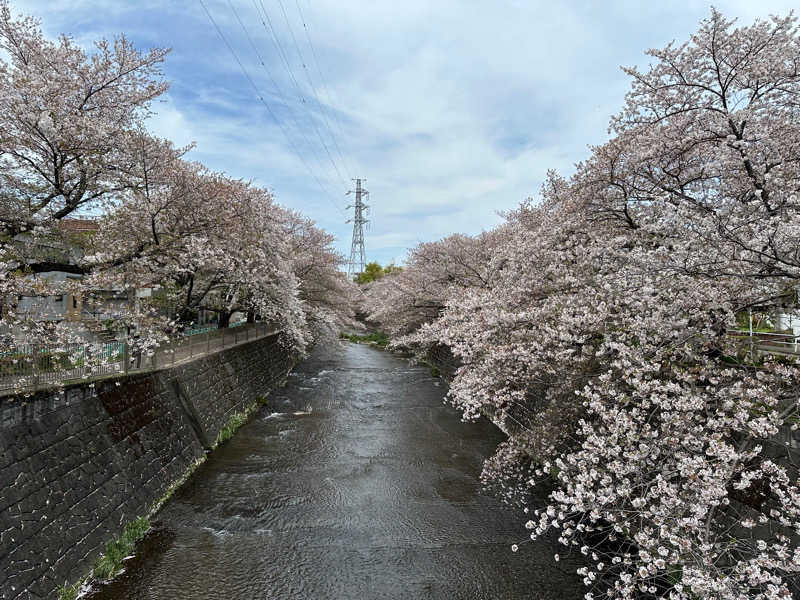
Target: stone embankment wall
[
  {"x": 77, "y": 464},
  {"x": 442, "y": 358}
]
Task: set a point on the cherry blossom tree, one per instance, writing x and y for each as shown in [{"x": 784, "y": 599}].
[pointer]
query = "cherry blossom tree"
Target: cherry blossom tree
[
  {"x": 403, "y": 300},
  {"x": 328, "y": 296},
  {"x": 72, "y": 140},
  {"x": 600, "y": 346},
  {"x": 65, "y": 115},
  {"x": 63, "y": 119},
  {"x": 201, "y": 241}
]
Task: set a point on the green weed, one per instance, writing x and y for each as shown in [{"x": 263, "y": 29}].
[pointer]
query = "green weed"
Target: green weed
[
  {"x": 236, "y": 421},
  {"x": 378, "y": 338},
  {"x": 110, "y": 563},
  {"x": 70, "y": 592}
]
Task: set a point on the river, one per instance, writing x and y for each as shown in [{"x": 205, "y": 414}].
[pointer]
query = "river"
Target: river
[{"x": 355, "y": 482}]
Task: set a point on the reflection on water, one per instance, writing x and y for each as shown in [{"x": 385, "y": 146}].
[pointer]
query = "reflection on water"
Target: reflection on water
[{"x": 356, "y": 481}]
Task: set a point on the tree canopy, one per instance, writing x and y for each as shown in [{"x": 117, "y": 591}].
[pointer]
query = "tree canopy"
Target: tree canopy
[
  {"x": 374, "y": 271},
  {"x": 592, "y": 326},
  {"x": 73, "y": 143}
]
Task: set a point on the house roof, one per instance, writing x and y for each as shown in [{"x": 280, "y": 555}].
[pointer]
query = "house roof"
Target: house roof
[{"x": 79, "y": 224}]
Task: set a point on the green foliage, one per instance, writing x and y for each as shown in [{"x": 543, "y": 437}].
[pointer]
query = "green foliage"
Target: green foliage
[
  {"x": 226, "y": 433},
  {"x": 70, "y": 592},
  {"x": 108, "y": 565},
  {"x": 377, "y": 338},
  {"x": 236, "y": 421},
  {"x": 391, "y": 268},
  {"x": 373, "y": 271},
  {"x": 762, "y": 322}
]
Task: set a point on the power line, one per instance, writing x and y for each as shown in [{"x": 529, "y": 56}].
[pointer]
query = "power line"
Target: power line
[
  {"x": 331, "y": 101},
  {"x": 267, "y": 106},
  {"x": 310, "y": 81},
  {"x": 283, "y": 55},
  {"x": 278, "y": 89},
  {"x": 278, "y": 45}
]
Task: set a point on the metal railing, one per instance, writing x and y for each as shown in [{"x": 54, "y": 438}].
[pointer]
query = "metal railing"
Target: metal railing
[
  {"x": 31, "y": 365},
  {"x": 775, "y": 343},
  {"x": 198, "y": 330},
  {"x": 207, "y": 328}
]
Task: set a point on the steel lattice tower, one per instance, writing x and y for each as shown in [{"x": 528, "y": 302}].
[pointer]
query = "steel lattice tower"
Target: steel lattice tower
[{"x": 357, "y": 254}]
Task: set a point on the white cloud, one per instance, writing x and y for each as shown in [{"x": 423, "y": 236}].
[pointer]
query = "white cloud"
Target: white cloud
[
  {"x": 170, "y": 123},
  {"x": 452, "y": 110}
]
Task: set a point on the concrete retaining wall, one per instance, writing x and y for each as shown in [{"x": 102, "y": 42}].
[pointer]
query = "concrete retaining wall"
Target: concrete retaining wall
[
  {"x": 77, "y": 464},
  {"x": 443, "y": 359}
]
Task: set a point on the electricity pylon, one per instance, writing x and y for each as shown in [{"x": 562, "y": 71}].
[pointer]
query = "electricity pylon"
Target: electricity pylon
[{"x": 357, "y": 254}]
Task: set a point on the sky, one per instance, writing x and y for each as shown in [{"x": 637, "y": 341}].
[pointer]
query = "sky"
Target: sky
[{"x": 453, "y": 111}]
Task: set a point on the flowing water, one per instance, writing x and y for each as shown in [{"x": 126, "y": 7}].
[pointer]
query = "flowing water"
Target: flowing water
[{"x": 355, "y": 482}]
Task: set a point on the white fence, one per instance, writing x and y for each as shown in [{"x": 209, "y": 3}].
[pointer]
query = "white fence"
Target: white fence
[{"x": 775, "y": 343}]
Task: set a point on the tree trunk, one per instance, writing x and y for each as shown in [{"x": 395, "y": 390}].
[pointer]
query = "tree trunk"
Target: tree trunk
[
  {"x": 186, "y": 316},
  {"x": 224, "y": 319}
]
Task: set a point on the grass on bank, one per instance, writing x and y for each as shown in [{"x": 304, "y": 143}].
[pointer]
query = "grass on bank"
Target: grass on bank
[
  {"x": 377, "y": 338},
  {"x": 381, "y": 340},
  {"x": 109, "y": 564},
  {"x": 236, "y": 421},
  {"x": 70, "y": 592}
]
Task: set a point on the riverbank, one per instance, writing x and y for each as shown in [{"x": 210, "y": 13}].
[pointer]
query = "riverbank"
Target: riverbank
[
  {"x": 354, "y": 481},
  {"x": 78, "y": 465}
]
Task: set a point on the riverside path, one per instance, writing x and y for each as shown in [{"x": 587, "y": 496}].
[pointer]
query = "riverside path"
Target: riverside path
[{"x": 356, "y": 481}]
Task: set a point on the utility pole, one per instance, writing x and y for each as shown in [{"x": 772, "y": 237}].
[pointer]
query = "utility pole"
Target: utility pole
[{"x": 357, "y": 260}]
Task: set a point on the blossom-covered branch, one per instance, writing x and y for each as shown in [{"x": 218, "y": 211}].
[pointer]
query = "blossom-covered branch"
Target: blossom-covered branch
[{"x": 596, "y": 331}]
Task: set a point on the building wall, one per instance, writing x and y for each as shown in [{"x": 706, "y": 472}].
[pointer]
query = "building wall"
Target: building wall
[{"x": 77, "y": 464}]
